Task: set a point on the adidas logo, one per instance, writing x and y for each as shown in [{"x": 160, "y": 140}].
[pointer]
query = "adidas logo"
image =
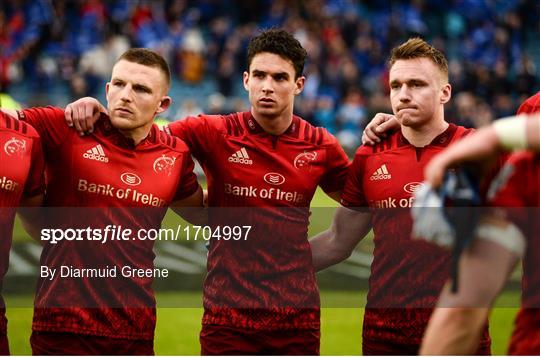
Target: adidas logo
[
  {"x": 96, "y": 153},
  {"x": 381, "y": 174},
  {"x": 241, "y": 157}
]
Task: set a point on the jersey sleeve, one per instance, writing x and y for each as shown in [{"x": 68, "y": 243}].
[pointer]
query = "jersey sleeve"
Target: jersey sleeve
[
  {"x": 337, "y": 164},
  {"x": 49, "y": 122},
  {"x": 195, "y": 132},
  {"x": 353, "y": 194},
  {"x": 508, "y": 193},
  {"x": 188, "y": 180},
  {"x": 35, "y": 183}
]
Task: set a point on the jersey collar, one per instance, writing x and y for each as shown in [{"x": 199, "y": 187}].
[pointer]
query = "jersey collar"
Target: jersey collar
[
  {"x": 442, "y": 140},
  {"x": 254, "y": 128},
  {"x": 105, "y": 126}
]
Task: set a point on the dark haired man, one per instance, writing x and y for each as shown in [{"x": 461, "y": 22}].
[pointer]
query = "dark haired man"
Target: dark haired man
[
  {"x": 112, "y": 174},
  {"x": 406, "y": 275},
  {"x": 260, "y": 295}
]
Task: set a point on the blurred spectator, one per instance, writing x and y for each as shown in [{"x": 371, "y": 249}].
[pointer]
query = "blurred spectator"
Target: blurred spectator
[
  {"x": 188, "y": 107},
  {"x": 191, "y": 57},
  {"x": 99, "y": 60},
  {"x": 216, "y": 104},
  {"x": 324, "y": 113},
  {"x": 465, "y": 104},
  {"x": 502, "y": 106},
  {"x": 526, "y": 77},
  {"x": 351, "y": 118},
  {"x": 471, "y": 111},
  {"x": 96, "y": 65},
  {"x": 65, "y": 47},
  {"x": 78, "y": 87}
]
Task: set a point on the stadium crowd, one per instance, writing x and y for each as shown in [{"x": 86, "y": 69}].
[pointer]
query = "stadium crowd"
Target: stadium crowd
[{"x": 74, "y": 43}]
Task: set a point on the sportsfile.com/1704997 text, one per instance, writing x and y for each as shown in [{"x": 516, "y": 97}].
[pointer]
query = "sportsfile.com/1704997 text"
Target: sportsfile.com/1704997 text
[{"x": 119, "y": 233}]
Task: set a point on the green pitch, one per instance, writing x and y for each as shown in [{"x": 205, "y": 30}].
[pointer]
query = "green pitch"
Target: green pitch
[{"x": 178, "y": 329}]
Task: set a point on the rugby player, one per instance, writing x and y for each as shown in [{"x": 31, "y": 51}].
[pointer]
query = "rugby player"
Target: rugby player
[
  {"x": 126, "y": 174},
  {"x": 406, "y": 275},
  {"x": 507, "y": 232}
]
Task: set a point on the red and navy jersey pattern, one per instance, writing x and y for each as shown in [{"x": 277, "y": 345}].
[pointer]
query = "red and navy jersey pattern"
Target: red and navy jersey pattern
[
  {"x": 132, "y": 186},
  {"x": 266, "y": 282},
  {"x": 516, "y": 191},
  {"x": 406, "y": 275},
  {"x": 21, "y": 175}
]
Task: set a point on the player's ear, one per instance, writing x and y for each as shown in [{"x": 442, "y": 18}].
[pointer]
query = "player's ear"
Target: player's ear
[
  {"x": 164, "y": 104},
  {"x": 446, "y": 93},
  {"x": 107, "y": 88},
  {"x": 245, "y": 80},
  {"x": 300, "y": 81}
]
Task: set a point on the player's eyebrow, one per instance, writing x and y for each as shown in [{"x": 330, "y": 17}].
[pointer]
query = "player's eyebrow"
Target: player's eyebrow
[
  {"x": 136, "y": 86},
  {"x": 276, "y": 74},
  {"x": 408, "y": 81},
  {"x": 416, "y": 81},
  {"x": 284, "y": 75}
]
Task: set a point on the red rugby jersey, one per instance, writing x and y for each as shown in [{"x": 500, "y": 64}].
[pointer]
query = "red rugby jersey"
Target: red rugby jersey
[
  {"x": 516, "y": 188},
  {"x": 267, "y": 281},
  {"x": 406, "y": 275},
  {"x": 21, "y": 174},
  {"x": 531, "y": 105},
  {"x": 118, "y": 184}
]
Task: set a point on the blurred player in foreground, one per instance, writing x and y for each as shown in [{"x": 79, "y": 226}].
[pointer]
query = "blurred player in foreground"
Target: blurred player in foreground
[
  {"x": 406, "y": 275},
  {"x": 530, "y": 105},
  {"x": 21, "y": 184},
  {"x": 508, "y": 231},
  {"x": 263, "y": 165},
  {"x": 114, "y": 174}
]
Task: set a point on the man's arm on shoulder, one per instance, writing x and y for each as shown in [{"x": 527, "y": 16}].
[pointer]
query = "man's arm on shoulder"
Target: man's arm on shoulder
[
  {"x": 456, "y": 325},
  {"x": 378, "y": 128},
  {"x": 337, "y": 243},
  {"x": 83, "y": 113}
]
